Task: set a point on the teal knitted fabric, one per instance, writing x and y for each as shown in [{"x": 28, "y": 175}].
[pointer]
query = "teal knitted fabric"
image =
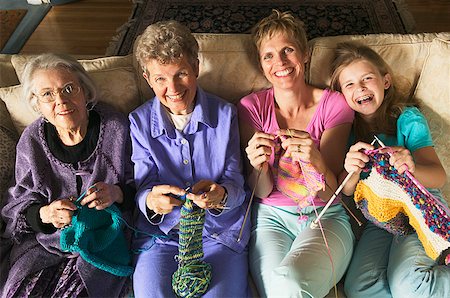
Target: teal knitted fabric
[
  {"x": 193, "y": 275},
  {"x": 98, "y": 237}
]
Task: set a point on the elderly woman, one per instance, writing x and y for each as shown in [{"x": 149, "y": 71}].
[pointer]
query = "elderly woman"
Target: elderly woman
[
  {"x": 72, "y": 163},
  {"x": 185, "y": 147},
  {"x": 296, "y": 136}
]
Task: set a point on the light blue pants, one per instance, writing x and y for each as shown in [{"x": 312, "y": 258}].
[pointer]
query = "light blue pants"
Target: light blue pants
[
  {"x": 154, "y": 268},
  {"x": 394, "y": 266},
  {"x": 385, "y": 265},
  {"x": 290, "y": 259}
]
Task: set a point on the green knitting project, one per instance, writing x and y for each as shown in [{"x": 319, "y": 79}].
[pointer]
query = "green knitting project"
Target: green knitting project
[
  {"x": 193, "y": 275},
  {"x": 98, "y": 237}
]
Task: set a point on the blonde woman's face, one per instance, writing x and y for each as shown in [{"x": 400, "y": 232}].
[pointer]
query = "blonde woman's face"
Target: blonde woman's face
[
  {"x": 282, "y": 61},
  {"x": 363, "y": 87},
  {"x": 174, "y": 84}
]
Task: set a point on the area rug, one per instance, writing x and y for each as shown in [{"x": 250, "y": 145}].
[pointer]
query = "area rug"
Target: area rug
[
  {"x": 23, "y": 30},
  {"x": 321, "y": 17},
  {"x": 9, "y": 20}
]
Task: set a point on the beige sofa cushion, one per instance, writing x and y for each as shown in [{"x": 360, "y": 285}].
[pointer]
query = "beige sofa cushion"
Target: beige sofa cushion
[
  {"x": 404, "y": 53},
  {"x": 226, "y": 69},
  {"x": 433, "y": 90},
  {"x": 20, "y": 111},
  {"x": 8, "y": 75},
  {"x": 114, "y": 76}
]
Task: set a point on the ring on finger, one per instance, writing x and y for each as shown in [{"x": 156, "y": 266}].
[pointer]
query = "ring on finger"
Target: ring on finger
[
  {"x": 99, "y": 202},
  {"x": 299, "y": 148}
]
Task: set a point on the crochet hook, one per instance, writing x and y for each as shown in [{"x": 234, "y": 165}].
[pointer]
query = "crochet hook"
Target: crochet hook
[
  {"x": 249, "y": 205},
  {"x": 336, "y": 193}
]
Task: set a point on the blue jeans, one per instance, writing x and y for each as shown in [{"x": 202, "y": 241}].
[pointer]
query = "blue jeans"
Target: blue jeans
[{"x": 290, "y": 259}]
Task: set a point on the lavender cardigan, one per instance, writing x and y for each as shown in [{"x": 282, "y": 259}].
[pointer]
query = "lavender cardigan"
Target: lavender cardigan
[{"x": 41, "y": 178}]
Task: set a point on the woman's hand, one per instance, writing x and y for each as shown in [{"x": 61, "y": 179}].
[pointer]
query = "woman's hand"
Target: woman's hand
[
  {"x": 355, "y": 160},
  {"x": 102, "y": 195},
  {"x": 259, "y": 149},
  {"x": 58, "y": 213},
  {"x": 207, "y": 194},
  {"x": 401, "y": 159},
  {"x": 162, "y": 198},
  {"x": 301, "y": 147}
]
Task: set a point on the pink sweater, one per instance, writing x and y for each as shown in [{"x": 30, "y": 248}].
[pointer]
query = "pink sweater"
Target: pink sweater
[{"x": 258, "y": 110}]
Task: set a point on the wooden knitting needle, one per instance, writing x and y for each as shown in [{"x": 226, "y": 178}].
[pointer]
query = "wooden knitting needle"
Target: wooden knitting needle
[
  {"x": 249, "y": 205},
  {"x": 336, "y": 193}
]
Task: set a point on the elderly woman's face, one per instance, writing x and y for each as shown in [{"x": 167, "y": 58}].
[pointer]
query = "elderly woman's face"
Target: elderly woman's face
[
  {"x": 174, "y": 84},
  {"x": 66, "y": 111}
]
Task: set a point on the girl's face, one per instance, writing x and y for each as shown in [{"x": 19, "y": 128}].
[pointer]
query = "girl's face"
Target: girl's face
[
  {"x": 363, "y": 87},
  {"x": 282, "y": 61}
]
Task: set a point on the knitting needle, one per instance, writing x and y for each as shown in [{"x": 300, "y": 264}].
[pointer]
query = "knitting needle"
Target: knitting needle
[
  {"x": 336, "y": 193},
  {"x": 182, "y": 198},
  {"x": 249, "y": 205}
]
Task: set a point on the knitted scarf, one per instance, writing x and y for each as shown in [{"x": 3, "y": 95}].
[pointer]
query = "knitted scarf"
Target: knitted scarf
[
  {"x": 193, "y": 275},
  {"x": 399, "y": 204}
]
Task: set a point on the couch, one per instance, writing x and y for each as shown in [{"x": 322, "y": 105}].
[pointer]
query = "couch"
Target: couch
[{"x": 421, "y": 61}]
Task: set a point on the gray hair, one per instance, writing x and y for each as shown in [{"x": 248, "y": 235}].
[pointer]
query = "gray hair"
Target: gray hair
[
  {"x": 56, "y": 61},
  {"x": 166, "y": 42}
]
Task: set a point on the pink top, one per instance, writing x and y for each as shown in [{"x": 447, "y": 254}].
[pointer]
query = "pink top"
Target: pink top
[{"x": 258, "y": 110}]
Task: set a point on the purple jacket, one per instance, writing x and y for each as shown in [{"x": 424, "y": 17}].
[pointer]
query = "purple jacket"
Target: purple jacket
[
  {"x": 41, "y": 178},
  {"x": 208, "y": 148}
]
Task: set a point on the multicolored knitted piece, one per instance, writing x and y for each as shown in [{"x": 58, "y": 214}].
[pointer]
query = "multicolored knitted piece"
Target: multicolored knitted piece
[
  {"x": 297, "y": 179},
  {"x": 399, "y": 204},
  {"x": 193, "y": 275}
]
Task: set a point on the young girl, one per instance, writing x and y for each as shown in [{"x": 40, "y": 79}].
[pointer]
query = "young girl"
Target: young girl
[{"x": 385, "y": 265}]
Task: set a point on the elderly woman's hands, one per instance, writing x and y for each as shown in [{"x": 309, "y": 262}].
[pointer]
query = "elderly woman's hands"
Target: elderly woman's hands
[
  {"x": 162, "y": 198},
  {"x": 207, "y": 194},
  {"x": 58, "y": 213},
  {"x": 102, "y": 195}
]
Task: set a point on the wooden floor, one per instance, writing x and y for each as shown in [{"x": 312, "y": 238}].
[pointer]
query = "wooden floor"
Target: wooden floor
[{"x": 86, "y": 27}]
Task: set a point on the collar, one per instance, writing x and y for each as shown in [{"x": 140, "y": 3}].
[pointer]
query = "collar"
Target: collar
[{"x": 161, "y": 124}]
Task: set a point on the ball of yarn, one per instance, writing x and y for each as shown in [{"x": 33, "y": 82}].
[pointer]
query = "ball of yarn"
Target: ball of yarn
[{"x": 192, "y": 279}]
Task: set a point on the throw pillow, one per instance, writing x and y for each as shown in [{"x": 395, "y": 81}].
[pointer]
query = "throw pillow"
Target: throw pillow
[{"x": 433, "y": 90}]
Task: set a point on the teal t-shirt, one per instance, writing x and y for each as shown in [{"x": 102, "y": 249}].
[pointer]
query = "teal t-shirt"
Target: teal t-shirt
[{"x": 413, "y": 131}]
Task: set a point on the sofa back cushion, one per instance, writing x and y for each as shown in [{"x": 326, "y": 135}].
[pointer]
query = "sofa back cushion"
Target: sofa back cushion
[
  {"x": 115, "y": 78},
  {"x": 226, "y": 68},
  {"x": 405, "y": 54},
  {"x": 433, "y": 91}
]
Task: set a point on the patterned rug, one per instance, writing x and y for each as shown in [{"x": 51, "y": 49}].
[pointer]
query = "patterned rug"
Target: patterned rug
[{"x": 321, "y": 17}]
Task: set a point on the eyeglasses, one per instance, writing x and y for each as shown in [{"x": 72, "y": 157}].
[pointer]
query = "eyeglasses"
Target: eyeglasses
[{"x": 68, "y": 91}]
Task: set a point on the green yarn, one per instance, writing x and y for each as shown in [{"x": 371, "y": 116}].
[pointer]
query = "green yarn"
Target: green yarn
[
  {"x": 193, "y": 275},
  {"x": 98, "y": 237}
]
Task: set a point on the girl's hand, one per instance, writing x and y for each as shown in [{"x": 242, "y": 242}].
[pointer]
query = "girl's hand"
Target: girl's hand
[
  {"x": 162, "y": 198},
  {"x": 356, "y": 159},
  {"x": 301, "y": 147},
  {"x": 259, "y": 149},
  {"x": 102, "y": 195},
  {"x": 207, "y": 194},
  {"x": 402, "y": 160},
  {"x": 58, "y": 213}
]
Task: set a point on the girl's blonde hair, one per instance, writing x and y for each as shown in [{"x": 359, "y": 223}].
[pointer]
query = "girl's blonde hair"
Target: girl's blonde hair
[{"x": 394, "y": 101}]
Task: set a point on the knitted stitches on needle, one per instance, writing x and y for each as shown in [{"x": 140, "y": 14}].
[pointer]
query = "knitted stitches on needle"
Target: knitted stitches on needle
[
  {"x": 193, "y": 275},
  {"x": 391, "y": 200},
  {"x": 298, "y": 179}
]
